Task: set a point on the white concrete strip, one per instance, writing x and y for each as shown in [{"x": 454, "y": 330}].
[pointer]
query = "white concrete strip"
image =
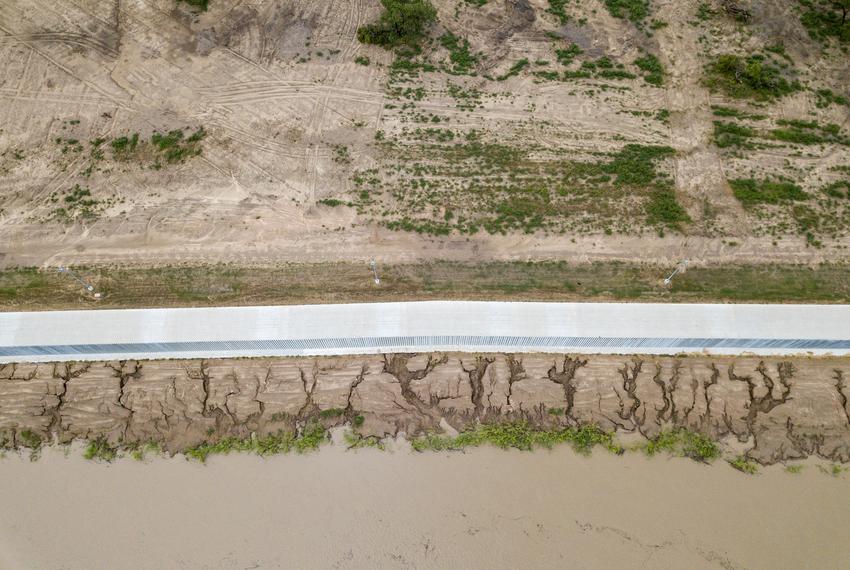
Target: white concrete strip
[{"x": 424, "y": 326}]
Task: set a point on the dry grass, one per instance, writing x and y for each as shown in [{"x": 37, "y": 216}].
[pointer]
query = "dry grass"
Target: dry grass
[{"x": 32, "y": 289}]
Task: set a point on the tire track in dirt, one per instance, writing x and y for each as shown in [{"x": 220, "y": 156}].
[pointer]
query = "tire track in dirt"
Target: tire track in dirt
[{"x": 81, "y": 40}]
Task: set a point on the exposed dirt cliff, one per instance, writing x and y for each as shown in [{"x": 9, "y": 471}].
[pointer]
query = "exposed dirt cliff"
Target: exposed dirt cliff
[{"x": 781, "y": 408}]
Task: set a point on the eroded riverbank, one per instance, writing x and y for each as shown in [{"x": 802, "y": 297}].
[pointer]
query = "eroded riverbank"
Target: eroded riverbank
[{"x": 775, "y": 409}]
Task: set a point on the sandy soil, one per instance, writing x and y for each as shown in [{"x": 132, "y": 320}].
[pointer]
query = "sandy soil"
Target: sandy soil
[
  {"x": 770, "y": 409},
  {"x": 368, "y": 509},
  {"x": 276, "y": 112}
]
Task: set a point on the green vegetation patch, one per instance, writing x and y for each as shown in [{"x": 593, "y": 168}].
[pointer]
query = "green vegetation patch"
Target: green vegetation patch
[
  {"x": 30, "y": 439},
  {"x": 732, "y": 134},
  {"x": 558, "y": 8},
  {"x": 469, "y": 186},
  {"x": 202, "y": 5},
  {"x": 100, "y": 450},
  {"x": 568, "y": 55},
  {"x": 720, "y": 111},
  {"x": 684, "y": 443},
  {"x": 748, "y": 78},
  {"x": 514, "y": 70},
  {"x": 653, "y": 71},
  {"x": 744, "y": 465},
  {"x": 463, "y": 62},
  {"x": 76, "y": 204},
  {"x": 809, "y": 132},
  {"x": 826, "y": 97},
  {"x": 519, "y": 435},
  {"x": 837, "y": 189},
  {"x": 826, "y": 19},
  {"x": 313, "y": 435},
  {"x": 753, "y": 192},
  {"x": 403, "y": 22},
  {"x": 635, "y": 11},
  {"x": 663, "y": 209},
  {"x": 294, "y": 283}
]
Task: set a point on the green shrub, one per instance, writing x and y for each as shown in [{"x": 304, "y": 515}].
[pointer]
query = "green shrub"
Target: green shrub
[
  {"x": 566, "y": 56},
  {"x": 732, "y": 134},
  {"x": 652, "y": 68},
  {"x": 825, "y": 98},
  {"x": 463, "y": 62},
  {"x": 558, "y": 9},
  {"x": 838, "y": 189},
  {"x": 748, "y": 78},
  {"x": 514, "y": 70},
  {"x": 403, "y": 22},
  {"x": 202, "y": 5},
  {"x": 362, "y": 60},
  {"x": 825, "y": 19},
  {"x": 752, "y": 192},
  {"x": 125, "y": 145},
  {"x": 633, "y": 10}
]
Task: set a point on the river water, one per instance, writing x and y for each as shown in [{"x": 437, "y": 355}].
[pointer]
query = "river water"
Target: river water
[{"x": 485, "y": 508}]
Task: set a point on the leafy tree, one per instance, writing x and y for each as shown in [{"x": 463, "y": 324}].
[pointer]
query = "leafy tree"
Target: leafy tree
[{"x": 402, "y": 23}]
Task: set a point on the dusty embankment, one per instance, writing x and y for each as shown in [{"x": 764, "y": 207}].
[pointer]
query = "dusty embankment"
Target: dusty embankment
[{"x": 779, "y": 409}]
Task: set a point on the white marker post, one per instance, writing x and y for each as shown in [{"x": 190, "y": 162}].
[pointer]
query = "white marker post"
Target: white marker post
[
  {"x": 680, "y": 267},
  {"x": 88, "y": 287},
  {"x": 374, "y": 267}
]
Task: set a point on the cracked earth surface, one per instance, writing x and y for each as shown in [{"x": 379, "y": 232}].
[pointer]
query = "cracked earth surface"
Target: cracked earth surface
[{"x": 778, "y": 409}]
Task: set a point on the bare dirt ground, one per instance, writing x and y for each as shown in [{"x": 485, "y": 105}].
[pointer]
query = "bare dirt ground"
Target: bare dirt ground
[
  {"x": 289, "y": 119},
  {"x": 770, "y": 410}
]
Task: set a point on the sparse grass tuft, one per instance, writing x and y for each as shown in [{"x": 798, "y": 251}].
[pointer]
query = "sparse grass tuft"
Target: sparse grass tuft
[
  {"x": 331, "y": 413},
  {"x": 313, "y": 435},
  {"x": 30, "y": 439},
  {"x": 100, "y": 450},
  {"x": 356, "y": 441},
  {"x": 794, "y": 469},
  {"x": 519, "y": 435},
  {"x": 514, "y": 70},
  {"x": 685, "y": 443},
  {"x": 744, "y": 465}
]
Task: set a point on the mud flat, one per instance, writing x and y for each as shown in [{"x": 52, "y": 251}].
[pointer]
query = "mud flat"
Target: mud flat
[{"x": 367, "y": 509}]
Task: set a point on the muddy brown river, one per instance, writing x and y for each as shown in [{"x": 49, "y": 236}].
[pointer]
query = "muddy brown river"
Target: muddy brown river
[{"x": 485, "y": 508}]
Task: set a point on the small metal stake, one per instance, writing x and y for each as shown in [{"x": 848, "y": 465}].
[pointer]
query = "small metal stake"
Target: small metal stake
[
  {"x": 88, "y": 287},
  {"x": 680, "y": 267}
]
